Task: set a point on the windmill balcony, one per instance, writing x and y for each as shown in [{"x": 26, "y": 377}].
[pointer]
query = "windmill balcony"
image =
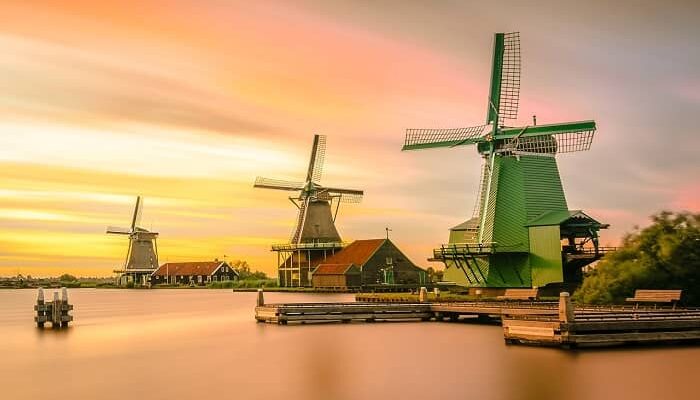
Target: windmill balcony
[
  {"x": 455, "y": 250},
  {"x": 307, "y": 246}
]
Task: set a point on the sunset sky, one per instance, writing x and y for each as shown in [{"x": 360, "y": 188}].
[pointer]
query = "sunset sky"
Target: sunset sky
[{"x": 186, "y": 101}]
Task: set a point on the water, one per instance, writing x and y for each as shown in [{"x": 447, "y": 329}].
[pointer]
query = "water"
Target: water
[{"x": 205, "y": 344}]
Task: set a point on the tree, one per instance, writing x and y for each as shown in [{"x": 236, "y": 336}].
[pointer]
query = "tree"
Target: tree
[
  {"x": 246, "y": 273},
  {"x": 67, "y": 278},
  {"x": 434, "y": 275},
  {"x": 664, "y": 255}
]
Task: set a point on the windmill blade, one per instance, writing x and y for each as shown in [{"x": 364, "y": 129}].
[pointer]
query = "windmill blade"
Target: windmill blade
[
  {"x": 301, "y": 217},
  {"x": 417, "y": 139},
  {"x": 115, "y": 230},
  {"x": 136, "y": 220},
  {"x": 345, "y": 195},
  {"x": 504, "y": 94},
  {"x": 318, "y": 156},
  {"x": 553, "y": 138},
  {"x": 277, "y": 184}
]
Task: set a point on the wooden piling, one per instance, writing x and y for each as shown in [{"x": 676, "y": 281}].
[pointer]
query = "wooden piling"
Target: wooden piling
[
  {"x": 566, "y": 309},
  {"x": 423, "y": 295},
  {"x": 261, "y": 298},
  {"x": 41, "y": 317}
]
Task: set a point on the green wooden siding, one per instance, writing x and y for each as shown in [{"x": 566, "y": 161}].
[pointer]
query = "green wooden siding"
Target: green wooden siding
[
  {"x": 545, "y": 255},
  {"x": 509, "y": 230},
  {"x": 541, "y": 186}
]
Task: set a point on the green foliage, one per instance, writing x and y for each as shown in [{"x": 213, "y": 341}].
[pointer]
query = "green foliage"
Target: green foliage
[
  {"x": 67, "y": 278},
  {"x": 434, "y": 275},
  {"x": 246, "y": 273},
  {"x": 664, "y": 255}
]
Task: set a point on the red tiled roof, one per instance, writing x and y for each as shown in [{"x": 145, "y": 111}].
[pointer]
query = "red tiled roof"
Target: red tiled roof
[
  {"x": 332, "y": 269},
  {"x": 357, "y": 252},
  {"x": 188, "y": 268}
]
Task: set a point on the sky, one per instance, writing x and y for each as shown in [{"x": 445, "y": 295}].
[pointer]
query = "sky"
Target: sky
[{"x": 185, "y": 102}]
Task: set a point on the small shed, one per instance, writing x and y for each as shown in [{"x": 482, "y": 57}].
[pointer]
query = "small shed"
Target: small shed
[
  {"x": 557, "y": 245},
  {"x": 337, "y": 276}
]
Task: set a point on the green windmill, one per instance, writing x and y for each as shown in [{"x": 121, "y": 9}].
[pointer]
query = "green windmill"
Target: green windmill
[{"x": 522, "y": 233}]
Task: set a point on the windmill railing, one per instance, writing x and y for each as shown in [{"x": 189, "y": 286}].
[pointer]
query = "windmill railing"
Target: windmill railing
[
  {"x": 452, "y": 250},
  {"x": 308, "y": 246}
]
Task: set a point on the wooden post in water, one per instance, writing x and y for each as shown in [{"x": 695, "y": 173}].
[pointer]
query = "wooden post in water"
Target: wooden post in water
[
  {"x": 56, "y": 311},
  {"x": 566, "y": 309},
  {"x": 261, "y": 298},
  {"x": 64, "y": 307},
  {"x": 423, "y": 295},
  {"x": 40, "y": 315}
]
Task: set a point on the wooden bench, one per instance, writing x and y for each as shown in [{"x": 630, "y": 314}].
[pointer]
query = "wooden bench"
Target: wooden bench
[
  {"x": 519, "y": 294},
  {"x": 655, "y": 296}
]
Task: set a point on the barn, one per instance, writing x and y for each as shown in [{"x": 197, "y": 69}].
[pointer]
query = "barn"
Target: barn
[
  {"x": 336, "y": 276},
  {"x": 197, "y": 273},
  {"x": 379, "y": 261}
]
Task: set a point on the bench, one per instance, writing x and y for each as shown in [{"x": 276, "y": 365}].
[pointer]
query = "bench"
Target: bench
[
  {"x": 655, "y": 296},
  {"x": 519, "y": 294}
]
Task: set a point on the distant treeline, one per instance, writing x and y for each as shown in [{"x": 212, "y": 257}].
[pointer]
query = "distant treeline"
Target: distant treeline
[{"x": 664, "y": 255}]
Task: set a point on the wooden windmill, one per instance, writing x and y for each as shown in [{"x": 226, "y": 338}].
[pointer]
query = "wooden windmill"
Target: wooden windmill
[
  {"x": 314, "y": 234},
  {"x": 521, "y": 217},
  {"x": 142, "y": 254}
]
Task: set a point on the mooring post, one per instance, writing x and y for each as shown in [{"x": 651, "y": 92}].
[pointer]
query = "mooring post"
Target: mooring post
[
  {"x": 423, "y": 295},
  {"x": 261, "y": 298},
  {"x": 566, "y": 309},
  {"x": 56, "y": 311},
  {"x": 64, "y": 307},
  {"x": 40, "y": 308}
]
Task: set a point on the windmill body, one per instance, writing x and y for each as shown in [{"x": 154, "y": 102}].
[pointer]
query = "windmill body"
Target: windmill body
[
  {"x": 314, "y": 236},
  {"x": 142, "y": 254},
  {"x": 522, "y": 233}
]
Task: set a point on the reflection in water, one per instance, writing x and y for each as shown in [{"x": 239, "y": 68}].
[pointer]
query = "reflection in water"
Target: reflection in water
[{"x": 201, "y": 344}]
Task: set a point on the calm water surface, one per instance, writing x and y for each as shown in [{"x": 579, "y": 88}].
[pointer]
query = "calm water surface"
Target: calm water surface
[{"x": 205, "y": 344}]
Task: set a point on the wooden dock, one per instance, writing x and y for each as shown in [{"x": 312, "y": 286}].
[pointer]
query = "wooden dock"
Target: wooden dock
[
  {"x": 341, "y": 312},
  {"x": 524, "y": 322}
]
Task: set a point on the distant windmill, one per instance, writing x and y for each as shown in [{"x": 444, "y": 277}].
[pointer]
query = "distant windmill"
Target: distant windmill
[
  {"x": 142, "y": 254},
  {"x": 316, "y": 220},
  {"x": 314, "y": 234},
  {"x": 521, "y": 216}
]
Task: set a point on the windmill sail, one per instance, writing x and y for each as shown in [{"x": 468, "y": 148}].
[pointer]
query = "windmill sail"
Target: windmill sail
[
  {"x": 553, "y": 138},
  {"x": 136, "y": 220},
  {"x": 505, "y": 78},
  {"x": 277, "y": 184},
  {"x": 301, "y": 216},
  {"x": 115, "y": 230},
  {"x": 428, "y": 138},
  {"x": 318, "y": 157}
]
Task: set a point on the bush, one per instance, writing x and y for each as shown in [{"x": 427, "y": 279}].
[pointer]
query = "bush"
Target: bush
[
  {"x": 664, "y": 255},
  {"x": 67, "y": 278}
]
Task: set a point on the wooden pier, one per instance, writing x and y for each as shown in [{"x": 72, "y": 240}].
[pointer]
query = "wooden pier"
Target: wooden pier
[
  {"x": 54, "y": 312},
  {"x": 524, "y": 322},
  {"x": 595, "y": 327}
]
